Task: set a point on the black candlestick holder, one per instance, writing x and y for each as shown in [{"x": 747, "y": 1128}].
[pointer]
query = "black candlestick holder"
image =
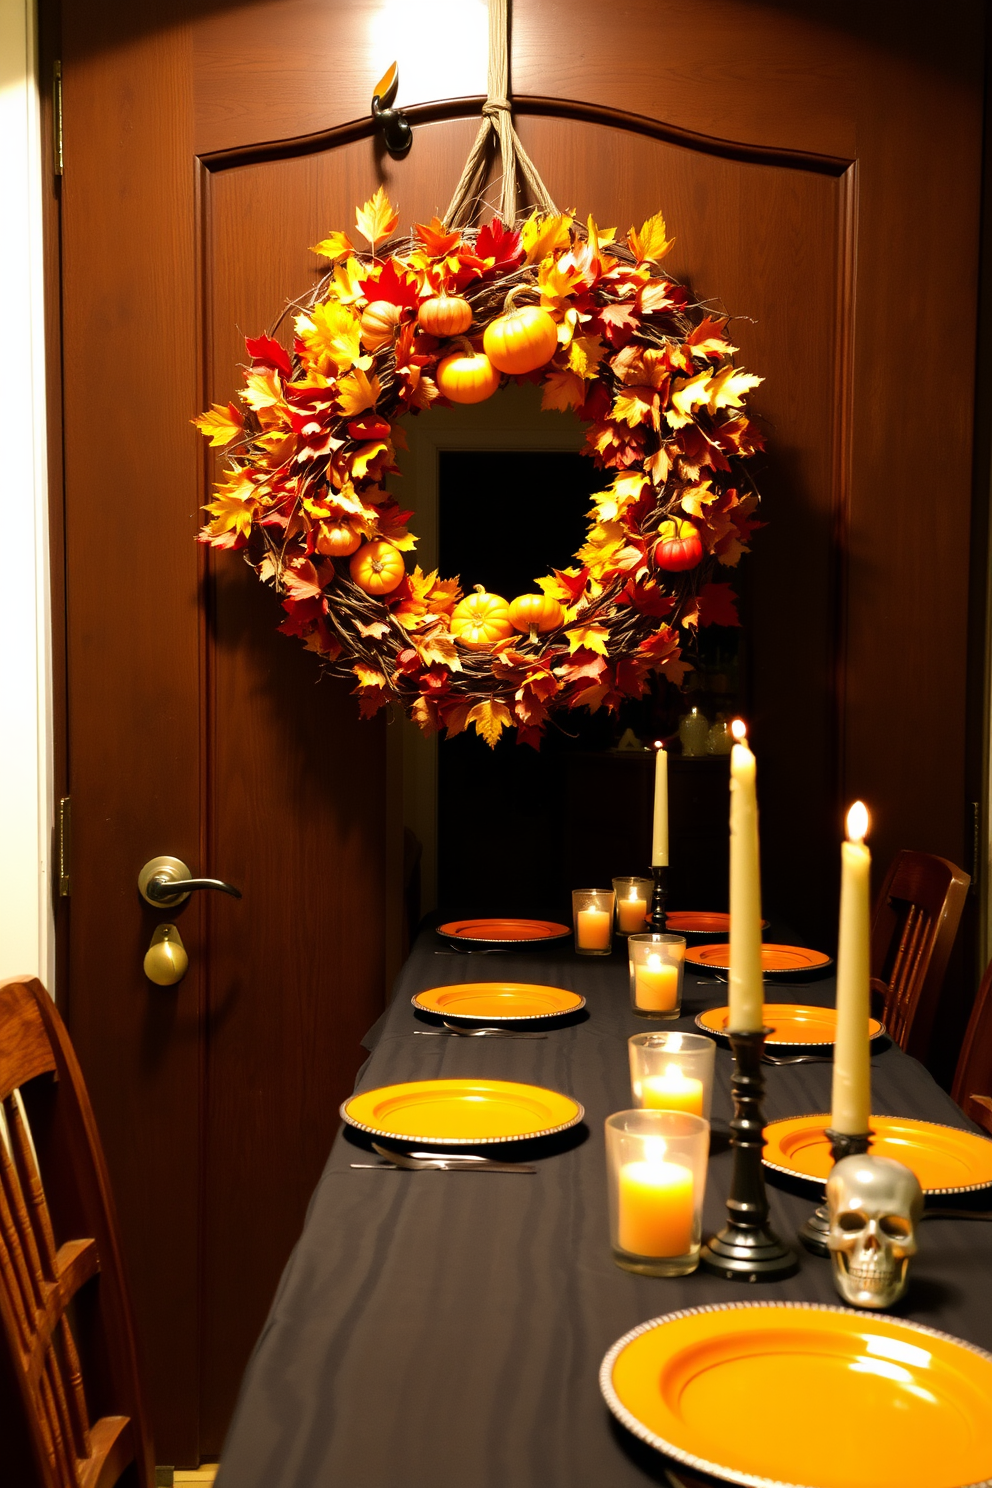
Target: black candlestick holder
[
  {"x": 659, "y": 898},
  {"x": 816, "y": 1229},
  {"x": 746, "y": 1249}
]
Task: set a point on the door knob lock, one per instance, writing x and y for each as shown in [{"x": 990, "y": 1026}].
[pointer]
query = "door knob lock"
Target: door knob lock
[
  {"x": 165, "y": 882},
  {"x": 166, "y": 959}
]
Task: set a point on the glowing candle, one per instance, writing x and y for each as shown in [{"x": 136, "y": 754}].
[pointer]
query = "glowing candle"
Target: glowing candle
[
  {"x": 851, "y": 1099},
  {"x": 672, "y": 1091},
  {"x": 594, "y": 929},
  {"x": 656, "y": 1205},
  {"x": 656, "y": 985},
  {"x": 631, "y": 912},
  {"x": 746, "y": 992},
  {"x": 659, "y": 839}
]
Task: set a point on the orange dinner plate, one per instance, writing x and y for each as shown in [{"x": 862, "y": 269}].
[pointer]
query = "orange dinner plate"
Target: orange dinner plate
[
  {"x": 498, "y": 1001},
  {"x": 465, "y": 1112},
  {"x": 792, "y": 1023},
  {"x": 497, "y": 931},
  {"x": 701, "y": 922},
  {"x": 944, "y": 1159},
  {"x": 775, "y": 959},
  {"x": 793, "y": 1393}
]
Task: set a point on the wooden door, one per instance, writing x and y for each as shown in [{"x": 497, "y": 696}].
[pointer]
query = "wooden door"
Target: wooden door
[{"x": 819, "y": 164}]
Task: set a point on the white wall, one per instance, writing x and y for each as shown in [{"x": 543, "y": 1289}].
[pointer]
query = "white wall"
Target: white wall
[{"x": 26, "y": 780}]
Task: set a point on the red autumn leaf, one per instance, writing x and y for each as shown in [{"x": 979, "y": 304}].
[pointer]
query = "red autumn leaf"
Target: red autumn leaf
[
  {"x": 372, "y": 427},
  {"x": 301, "y": 615},
  {"x": 574, "y": 583},
  {"x": 495, "y": 242},
  {"x": 648, "y": 598},
  {"x": 387, "y": 284},
  {"x": 619, "y": 322},
  {"x": 268, "y": 353},
  {"x": 717, "y": 605},
  {"x": 585, "y": 664}
]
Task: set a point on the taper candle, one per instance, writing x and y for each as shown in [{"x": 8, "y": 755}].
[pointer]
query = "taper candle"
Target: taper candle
[
  {"x": 851, "y": 1098},
  {"x": 659, "y": 837},
  {"x": 746, "y": 990}
]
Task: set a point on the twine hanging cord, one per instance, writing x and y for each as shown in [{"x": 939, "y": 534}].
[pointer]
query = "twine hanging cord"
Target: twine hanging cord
[{"x": 496, "y": 116}]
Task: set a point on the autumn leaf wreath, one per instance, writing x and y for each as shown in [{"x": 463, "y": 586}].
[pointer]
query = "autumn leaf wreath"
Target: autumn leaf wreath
[{"x": 448, "y": 316}]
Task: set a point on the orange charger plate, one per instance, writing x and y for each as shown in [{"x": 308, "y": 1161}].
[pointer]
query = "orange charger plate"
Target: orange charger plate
[
  {"x": 498, "y": 1001},
  {"x": 775, "y": 959},
  {"x": 701, "y": 922},
  {"x": 793, "y": 1393},
  {"x": 495, "y": 931},
  {"x": 792, "y": 1023},
  {"x": 944, "y": 1159},
  {"x": 461, "y": 1112}
]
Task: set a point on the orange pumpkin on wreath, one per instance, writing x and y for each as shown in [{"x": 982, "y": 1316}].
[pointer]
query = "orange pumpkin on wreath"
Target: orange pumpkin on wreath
[{"x": 607, "y": 334}]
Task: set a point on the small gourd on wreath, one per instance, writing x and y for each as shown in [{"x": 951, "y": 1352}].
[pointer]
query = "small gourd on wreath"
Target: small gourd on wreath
[{"x": 449, "y": 314}]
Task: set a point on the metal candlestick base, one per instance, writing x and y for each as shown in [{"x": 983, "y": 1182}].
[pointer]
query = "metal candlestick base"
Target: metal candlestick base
[
  {"x": 659, "y": 920},
  {"x": 816, "y": 1229},
  {"x": 746, "y": 1249}
]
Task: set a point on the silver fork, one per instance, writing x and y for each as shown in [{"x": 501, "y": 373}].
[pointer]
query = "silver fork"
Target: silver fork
[
  {"x": 795, "y": 1059},
  {"x": 443, "y": 1162},
  {"x": 452, "y": 1030}
]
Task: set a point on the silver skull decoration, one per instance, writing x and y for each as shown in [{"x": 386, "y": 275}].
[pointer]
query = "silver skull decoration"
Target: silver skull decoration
[{"x": 875, "y": 1205}]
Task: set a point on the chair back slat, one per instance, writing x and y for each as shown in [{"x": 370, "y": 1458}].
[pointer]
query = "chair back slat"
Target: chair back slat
[
  {"x": 55, "y": 1240},
  {"x": 914, "y": 925}
]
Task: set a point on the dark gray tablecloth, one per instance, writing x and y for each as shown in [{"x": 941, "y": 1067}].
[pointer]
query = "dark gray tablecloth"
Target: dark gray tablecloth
[{"x": 445, "y": 1330}]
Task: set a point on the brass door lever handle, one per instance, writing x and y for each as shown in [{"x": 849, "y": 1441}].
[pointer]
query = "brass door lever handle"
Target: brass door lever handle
[{"x": 165, "y": 882}]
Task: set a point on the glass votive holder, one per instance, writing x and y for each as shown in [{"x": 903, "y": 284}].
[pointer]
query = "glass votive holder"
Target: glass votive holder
[
  {"x": 633, "y": 903},
  {"x": 656, "y": 964},
  {"x": 592, "y": 911},
  {"x": 672, "y": 1071},
  {"x": 656, "y": 1179}
]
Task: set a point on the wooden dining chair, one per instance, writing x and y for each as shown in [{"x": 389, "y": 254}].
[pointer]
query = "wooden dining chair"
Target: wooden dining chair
[
  {"x": 912, "y": 934},
  {"x": 972, "y": 1088},
  {"x": 71, "y": 1410}
]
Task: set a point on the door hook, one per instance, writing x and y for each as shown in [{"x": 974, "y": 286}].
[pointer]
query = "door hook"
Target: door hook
[{"x": 393, "y": 125}]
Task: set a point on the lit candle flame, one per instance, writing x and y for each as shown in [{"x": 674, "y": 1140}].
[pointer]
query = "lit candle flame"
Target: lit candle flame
[
  {"x": 739, "y": 730},
  {"x": 857, "y": 822},
  {"x": 633, "y": 897},
  {"x": 654, "y": 962},
  {"x": 654, "y": 1149},
  {"x": 659, "y": 743},
  {"x": 673, "y": 1042}
]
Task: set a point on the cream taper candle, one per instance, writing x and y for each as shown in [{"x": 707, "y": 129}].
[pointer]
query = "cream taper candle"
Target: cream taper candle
[
  {"x": 659, "y": 838},
  {"x": 746, "y": 990},
  {"x": 851, "y": 1099}
]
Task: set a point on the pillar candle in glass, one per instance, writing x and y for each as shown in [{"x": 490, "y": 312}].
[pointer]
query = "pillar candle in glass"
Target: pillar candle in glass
[
  {"x": 633, "y": 899},
  {"x": 672, "y": 1071},
  {"x": 656, "y": 1180},
  {"x": 656, "y": 964},
  {"x": 851, "y": 1098},
  {"x": 592, "y": 912}
]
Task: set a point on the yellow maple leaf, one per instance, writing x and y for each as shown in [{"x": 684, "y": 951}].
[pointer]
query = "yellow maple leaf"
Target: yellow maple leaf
[
  {"x": 334, "y": 246},
  {"x": 368, "y": 676},
  {"x": 233, "y": 506},
  {"x": 346, "y": 285},
  {"x": 563, "y": 390},
  {"x": 541, "y": 235},
  {"x": 490, "y": 719},
  {"x": 729, "y": 386},
  {"x": 585, "y": 354},
  {"x": 332, "y": 335},
  {"x": 637, "y": 405},
  {"x": 357, "y": 392},
  {"x": 557, "y": 281},
  {"x": 696, "y": 498},
  {"x": 652, "y": 241},
  {"x": 438, "y": 647},
  {"x": 220, "y": 424},
  {"x": 377, "y": 218},
  {"x": 592, "y": 637},
  {"x": 599, "y": 551},
  {"x": 692, "y": 394},
  {"x": 262, "y": 388}
]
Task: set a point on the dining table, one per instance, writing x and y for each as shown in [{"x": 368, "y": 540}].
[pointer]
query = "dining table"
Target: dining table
[{"x": 446, "y": 1329}]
